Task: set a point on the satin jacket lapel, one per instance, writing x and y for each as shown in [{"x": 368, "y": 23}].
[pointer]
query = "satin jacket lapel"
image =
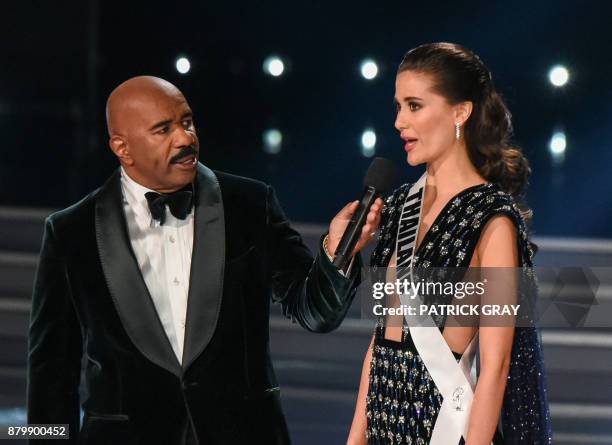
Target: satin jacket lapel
[
  {"x": 125, "y": 282},
  {"x": 207, "y": 266}
]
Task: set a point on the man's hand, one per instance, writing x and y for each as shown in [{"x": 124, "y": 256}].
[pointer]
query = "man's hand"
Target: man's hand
[{"x": 341, "y": 220}]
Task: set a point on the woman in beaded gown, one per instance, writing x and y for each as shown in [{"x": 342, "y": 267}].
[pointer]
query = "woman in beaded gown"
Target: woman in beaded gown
[{"x": 453, "y": 121}]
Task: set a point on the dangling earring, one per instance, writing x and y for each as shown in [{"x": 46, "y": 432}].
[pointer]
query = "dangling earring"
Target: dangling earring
[{"x": 458, "y": 131}]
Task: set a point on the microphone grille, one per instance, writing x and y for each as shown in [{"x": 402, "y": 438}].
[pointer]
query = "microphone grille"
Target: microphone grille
[{"x": 380, "y": 175}]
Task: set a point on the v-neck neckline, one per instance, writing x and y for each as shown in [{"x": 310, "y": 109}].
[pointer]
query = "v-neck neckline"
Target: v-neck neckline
[{"x": 439, "y": 216}]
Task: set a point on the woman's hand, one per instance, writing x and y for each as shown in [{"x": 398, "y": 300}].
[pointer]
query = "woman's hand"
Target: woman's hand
[{"x": 340, "y": 222}]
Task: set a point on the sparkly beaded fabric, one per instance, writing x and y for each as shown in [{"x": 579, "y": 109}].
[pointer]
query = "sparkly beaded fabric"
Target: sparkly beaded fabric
[{"x": 402, "y": 401}]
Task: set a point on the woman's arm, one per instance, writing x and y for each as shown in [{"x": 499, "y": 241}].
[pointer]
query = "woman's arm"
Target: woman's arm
[
  {"x": 357, "y": 435},
  {"x": 497, "y": 248}
]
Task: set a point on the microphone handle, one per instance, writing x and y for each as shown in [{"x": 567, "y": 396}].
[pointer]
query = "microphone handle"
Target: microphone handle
[{"x": 353, "y": 230}]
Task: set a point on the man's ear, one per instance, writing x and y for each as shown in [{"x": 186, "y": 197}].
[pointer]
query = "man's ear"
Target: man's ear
[
  {"x": 463, "y": 110},
  {"x": 118, "y": 144}
]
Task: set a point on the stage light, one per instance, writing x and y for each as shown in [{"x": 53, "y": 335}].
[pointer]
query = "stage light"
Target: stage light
[
  {"x": 368, "y": 143},
  {"x": 183, "y": 65},
  {"x": 272, "y": 141},
  {"x": 558, "y": 75},
  {"x": 369, "y": 69},
  {"x": 273, "y": 66},
  {"x": 557, "y": 145}
]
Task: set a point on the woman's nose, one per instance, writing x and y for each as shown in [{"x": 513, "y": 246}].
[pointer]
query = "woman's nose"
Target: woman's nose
[
  {"x": 400, "y": 122},
  {"x": 397, "y": 125}
]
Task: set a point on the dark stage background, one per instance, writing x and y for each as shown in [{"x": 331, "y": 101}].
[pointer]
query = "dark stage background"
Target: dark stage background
[{"x": 61, "y": 59}]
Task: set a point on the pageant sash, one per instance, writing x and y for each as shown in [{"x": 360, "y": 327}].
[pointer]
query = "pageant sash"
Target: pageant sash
[
  {"x": 455, "y": 380},
  {"x": 410, "y": 220}
]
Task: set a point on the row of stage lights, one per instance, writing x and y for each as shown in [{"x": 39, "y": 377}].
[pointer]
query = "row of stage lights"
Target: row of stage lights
[
  {"x": 274, "y": 66},
  {"x": 272, "y": 140}
]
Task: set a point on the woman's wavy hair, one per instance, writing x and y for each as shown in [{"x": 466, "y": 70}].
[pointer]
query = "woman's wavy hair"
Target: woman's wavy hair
[{"x": 459, "y": 75}]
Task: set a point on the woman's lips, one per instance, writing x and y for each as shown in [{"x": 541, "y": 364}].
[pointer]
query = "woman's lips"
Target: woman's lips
[{"x": 410, "y": 143}]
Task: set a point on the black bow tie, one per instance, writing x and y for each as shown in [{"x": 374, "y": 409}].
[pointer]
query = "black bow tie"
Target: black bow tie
[{"x": 179, "y": 203}]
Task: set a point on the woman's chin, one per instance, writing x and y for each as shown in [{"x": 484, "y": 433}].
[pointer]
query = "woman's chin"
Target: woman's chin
[{"x": 413, "y": 159}]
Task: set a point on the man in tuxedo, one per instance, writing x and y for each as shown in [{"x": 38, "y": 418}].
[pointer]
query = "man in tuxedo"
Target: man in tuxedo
[{"x": 160, "y": 282}]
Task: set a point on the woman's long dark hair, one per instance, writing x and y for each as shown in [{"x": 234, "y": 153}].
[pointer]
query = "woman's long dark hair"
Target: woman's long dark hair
[{"x": 459, "y": 75}]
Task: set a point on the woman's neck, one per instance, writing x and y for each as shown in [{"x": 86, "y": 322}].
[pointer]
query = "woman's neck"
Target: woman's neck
[{"x": 452, "y": 172}]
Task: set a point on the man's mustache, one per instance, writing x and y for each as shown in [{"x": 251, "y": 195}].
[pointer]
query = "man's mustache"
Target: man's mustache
[{"x": 185, "y": 152}]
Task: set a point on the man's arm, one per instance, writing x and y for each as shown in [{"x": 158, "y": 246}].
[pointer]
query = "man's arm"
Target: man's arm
[
  {"x": 54, "y": 345},
  {"x": 313, "y": 293}
]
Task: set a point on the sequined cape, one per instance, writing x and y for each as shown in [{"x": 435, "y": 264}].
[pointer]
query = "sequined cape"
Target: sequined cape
[{"x": 525, "y": 413}]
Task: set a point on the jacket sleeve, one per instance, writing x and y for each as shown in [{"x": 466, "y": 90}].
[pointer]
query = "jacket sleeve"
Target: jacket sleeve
[
  {"x": 54, "y": 344},
  {"x": 312, "y": 292}
]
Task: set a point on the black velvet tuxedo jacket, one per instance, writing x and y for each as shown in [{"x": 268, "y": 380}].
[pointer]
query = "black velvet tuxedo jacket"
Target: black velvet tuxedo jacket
[{"x": 91, "y": 303}]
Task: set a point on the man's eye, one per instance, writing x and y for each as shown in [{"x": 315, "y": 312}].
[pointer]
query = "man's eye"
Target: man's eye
[
  {"x": 187, "y": 123},
  {"x": 162, "y": 130}
]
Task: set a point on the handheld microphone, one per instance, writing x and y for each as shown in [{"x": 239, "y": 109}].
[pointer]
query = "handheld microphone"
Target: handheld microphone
[{"x": 377, "y": 181}]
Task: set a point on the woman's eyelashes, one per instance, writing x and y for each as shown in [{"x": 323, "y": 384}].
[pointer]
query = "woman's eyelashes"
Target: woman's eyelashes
[{"x": 414, "y": 106}]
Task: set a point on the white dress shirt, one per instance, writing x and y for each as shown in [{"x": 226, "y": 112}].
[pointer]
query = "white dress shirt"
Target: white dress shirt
[{"x": 163, "y": 253}]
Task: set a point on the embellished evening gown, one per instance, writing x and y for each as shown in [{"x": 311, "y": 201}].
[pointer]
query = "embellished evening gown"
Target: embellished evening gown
[{"x": 402, "y": 401}]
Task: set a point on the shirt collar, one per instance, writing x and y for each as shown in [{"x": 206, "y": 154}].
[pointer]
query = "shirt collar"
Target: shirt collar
[{"x": 134, "y": 196}]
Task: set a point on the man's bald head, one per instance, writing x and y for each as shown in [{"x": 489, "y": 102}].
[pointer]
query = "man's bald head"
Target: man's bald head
[
  {"x": 151, "y": 131},
  {"x": 136, "y": 92}
]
